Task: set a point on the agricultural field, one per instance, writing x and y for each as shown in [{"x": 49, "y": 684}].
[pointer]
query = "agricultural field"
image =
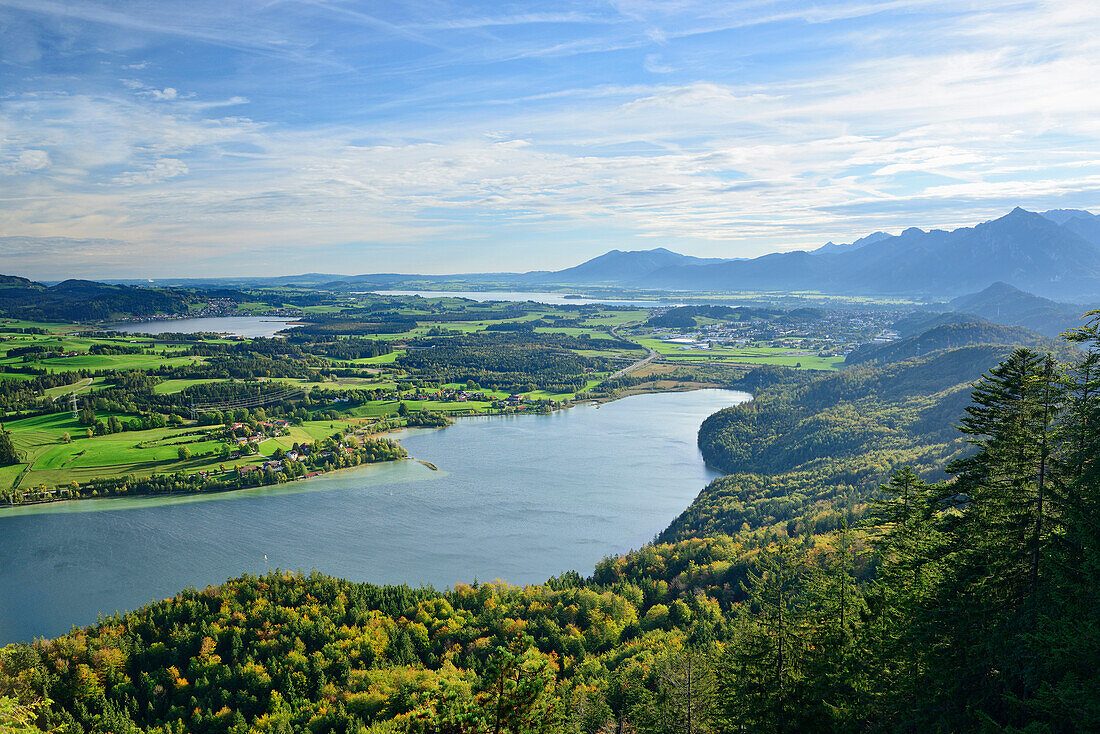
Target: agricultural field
[
  {"x": 172, "y": 386},
  {"x": 322, "y": 379},
  {"x": 117, "y": 362},
  {"x": 801, "y": 359},
  {"x": 51, "y": 460}
]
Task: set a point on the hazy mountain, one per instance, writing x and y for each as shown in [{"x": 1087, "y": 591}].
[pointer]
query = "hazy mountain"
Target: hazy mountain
[
  {"x": 1080, "y": 222},
  {"x": 1061, "y": 216},
  {"x": 1023, "y": 248},
  {"x": 1056, "y": 253},
  {"x": 830, "y": 248},
  {"x": 919, "y": 322},
  {"x": 621, "y": 267},
  {"x": 1089, "y": 229},
  {"x": 1004, "y": 304}
]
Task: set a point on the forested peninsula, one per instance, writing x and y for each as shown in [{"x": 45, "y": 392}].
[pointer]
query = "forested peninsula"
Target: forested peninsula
[{"x": 800, "y": 592}]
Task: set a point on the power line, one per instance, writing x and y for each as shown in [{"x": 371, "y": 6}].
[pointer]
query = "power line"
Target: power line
[{"x": 254, "y": 401}]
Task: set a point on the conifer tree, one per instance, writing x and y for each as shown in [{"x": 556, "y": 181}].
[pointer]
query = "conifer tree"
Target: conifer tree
[
  {"x": 760, "y": 685},
  {"x": 8, "y": 454},
  {"x": 1012, "y": 422},
  {"x": 834, "y": 658}
]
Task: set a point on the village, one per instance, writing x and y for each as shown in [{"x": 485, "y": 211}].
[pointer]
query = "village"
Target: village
[{"x": 834, "y": 334}]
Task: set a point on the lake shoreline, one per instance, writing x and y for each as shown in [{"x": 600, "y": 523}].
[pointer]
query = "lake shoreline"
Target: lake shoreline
[
  {"x": 241, "y": 326},
  {"x": 498, "y": 506},
  {"x": 642, "y": 389}
]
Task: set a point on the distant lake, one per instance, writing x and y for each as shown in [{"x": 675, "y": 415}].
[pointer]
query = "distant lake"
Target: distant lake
[
  {"x": 521, "y": 498},
  {"x": 552, "y": 299},
  {"x": 248, "y": 326}
]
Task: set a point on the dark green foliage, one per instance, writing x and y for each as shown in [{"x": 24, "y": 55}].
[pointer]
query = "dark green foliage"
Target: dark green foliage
[
  {"x": 947, "y": 336},
  {"x": 968, "y": 604},
  {"x": 8, "y": 454},
  {"x": 814, "y": 449},
  {"x": 425, "y": 419},
  {"x": 504, "y": 360},
  {"x": 347, "y": 326},
  {"x": 83, "y": 300}
]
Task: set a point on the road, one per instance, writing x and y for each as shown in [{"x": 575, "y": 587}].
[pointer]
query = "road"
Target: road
[{"x": 644, "y": 361}]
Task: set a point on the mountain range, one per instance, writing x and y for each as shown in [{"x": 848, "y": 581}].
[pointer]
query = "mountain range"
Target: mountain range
[
  {"x": 1050, "y": 254},
  {"x": 1053, "y": 254}
]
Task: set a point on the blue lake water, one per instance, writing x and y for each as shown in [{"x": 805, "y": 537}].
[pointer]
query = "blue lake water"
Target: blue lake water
[
  {"x": 249, "y": 326},
  {"x": 553, "y": 299},
  {"x": 520, "y": 498}
]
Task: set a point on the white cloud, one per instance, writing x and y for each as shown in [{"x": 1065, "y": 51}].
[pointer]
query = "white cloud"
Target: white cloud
[
  {"x": 33, "y": 160},
  {"x": 654, "y": 65},
  {"x": 162, "y": 170},
  {"x": 996, "y": 108}
]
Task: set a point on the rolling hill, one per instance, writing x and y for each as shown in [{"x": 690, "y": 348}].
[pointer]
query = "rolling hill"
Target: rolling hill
[
  {"x": 949, "y": 336},
  {"x": 84, "y": 300},
  {"x": 1003, "y": 304}
]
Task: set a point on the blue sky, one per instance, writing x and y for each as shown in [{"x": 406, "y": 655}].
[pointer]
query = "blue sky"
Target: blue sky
[{"x": 152, "y": 139}]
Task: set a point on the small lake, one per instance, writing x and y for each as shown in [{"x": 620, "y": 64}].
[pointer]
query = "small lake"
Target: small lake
[
  {"x": 248, "y": 326},
  {"x": 552, "y": 299},
  {"x": 520, "y": 498}
]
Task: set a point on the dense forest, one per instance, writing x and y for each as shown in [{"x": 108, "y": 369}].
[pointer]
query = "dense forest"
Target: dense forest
[
  {"x": 948, "y": 336},
  {"x": 84, "y": 300},
  {"x": 808, "y": 451},
  {"x": 960, "y": 596},
  {"x": 509, "y": 360}
]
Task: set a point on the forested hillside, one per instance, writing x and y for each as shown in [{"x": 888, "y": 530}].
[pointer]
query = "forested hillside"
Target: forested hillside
[
  {"x": 808, "y": 452},
  {"x": 948, "y": 336},
  {"x": 967, "y": 604},
  {"x": 84, "y": 300},
  {"x": 1004, "y": 304}
]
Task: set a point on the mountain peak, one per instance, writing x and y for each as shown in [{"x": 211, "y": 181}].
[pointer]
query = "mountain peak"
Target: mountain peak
[
  {"x": 1064, "y": 216},
  {"x": 1001, "y": 288},
  {"x": 620, "y": 266}
]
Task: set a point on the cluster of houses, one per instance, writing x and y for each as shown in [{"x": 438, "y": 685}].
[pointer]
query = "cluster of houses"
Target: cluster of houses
[
  {"x": 243, "y": 435},
  {"x": 463, "y": 396},
  {"x": 449, "y": 394},
  {"x": 837, "y": 333},
  {"x": 301, "y": 453}
]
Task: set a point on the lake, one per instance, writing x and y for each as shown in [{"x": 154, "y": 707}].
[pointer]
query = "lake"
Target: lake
[
  {"x": 520, "y": 498},
  {"x": 248, "y": 326},
  {"x": 552, "y": 299}
]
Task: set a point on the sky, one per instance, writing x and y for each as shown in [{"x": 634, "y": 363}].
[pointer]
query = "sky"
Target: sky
[{"x": 228, "y": 137}]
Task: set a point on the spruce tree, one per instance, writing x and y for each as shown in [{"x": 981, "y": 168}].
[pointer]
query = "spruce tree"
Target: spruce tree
[
  {"x": 997, "y": 550},
  {"x": 1012, "y": 423},
  {"x": 760, "y": 685},
  {"x": 8, "y": 453}
]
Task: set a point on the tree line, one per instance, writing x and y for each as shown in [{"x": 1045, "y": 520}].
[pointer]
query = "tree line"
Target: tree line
[{"x": 968, "y": 603}]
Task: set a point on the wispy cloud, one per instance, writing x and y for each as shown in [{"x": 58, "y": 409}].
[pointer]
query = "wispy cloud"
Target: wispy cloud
[{"x": 418, "y": 137}]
